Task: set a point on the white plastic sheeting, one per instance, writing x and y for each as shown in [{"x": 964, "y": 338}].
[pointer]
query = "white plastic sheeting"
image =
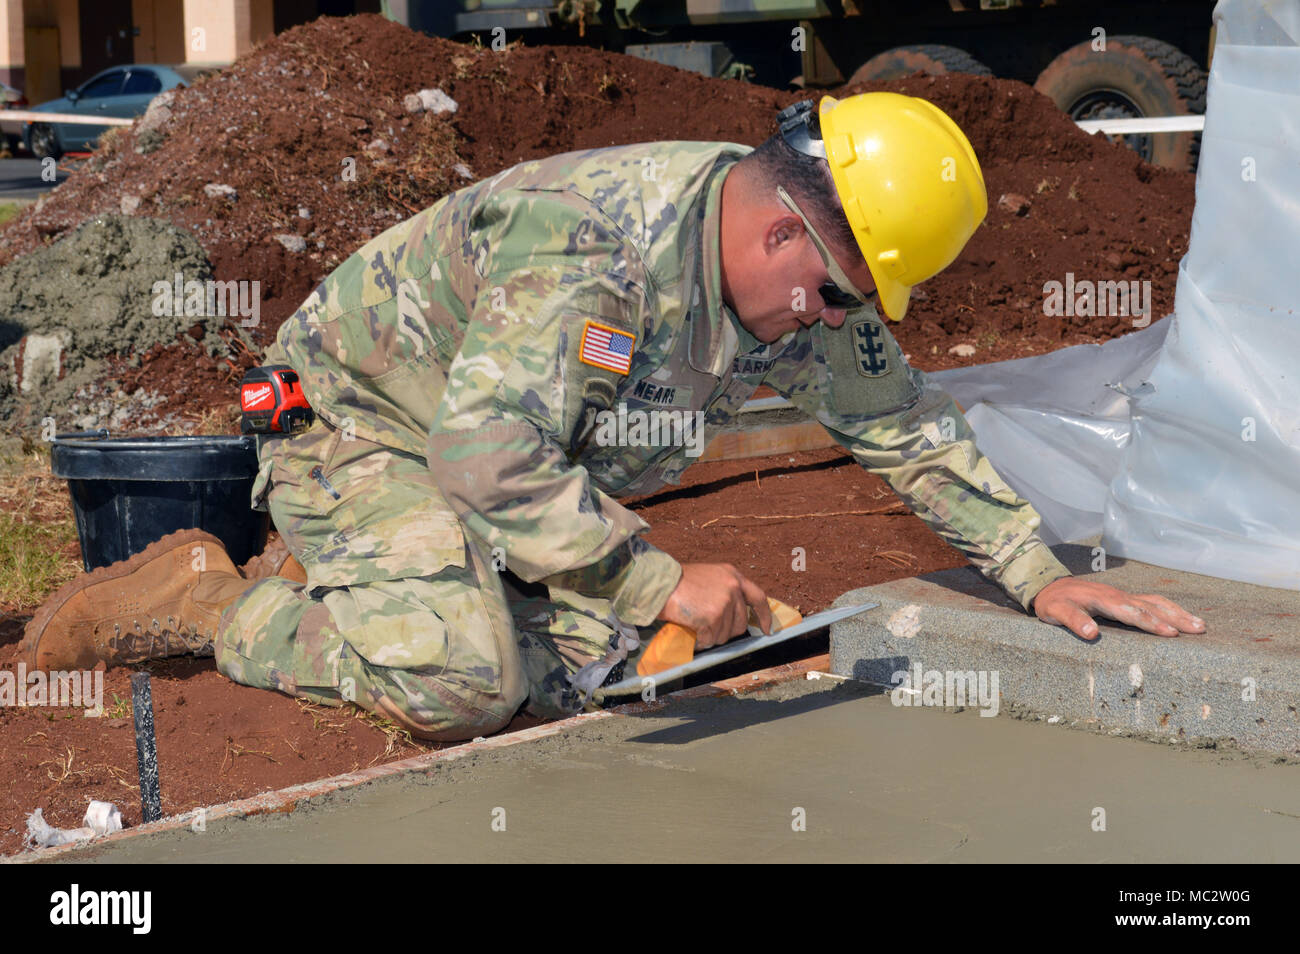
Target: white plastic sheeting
[
  {"x": 1210, "y": 480},
  {"x": 1055, "y": 425},
  {"x": 1180, "y": 443}
]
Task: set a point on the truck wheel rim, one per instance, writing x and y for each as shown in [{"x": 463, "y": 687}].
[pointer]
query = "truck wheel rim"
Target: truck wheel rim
[{"x": 1112, "y": 104}]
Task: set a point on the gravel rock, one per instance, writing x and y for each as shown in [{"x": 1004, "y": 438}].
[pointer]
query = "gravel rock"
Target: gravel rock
[
  {"x": 150, "y": 140},
  {"x": 429, "y": 100},
  {"x": 294, "y": 243},
  {"x": 1015, "y": 203},
  {"x": 159, "y": 113}
]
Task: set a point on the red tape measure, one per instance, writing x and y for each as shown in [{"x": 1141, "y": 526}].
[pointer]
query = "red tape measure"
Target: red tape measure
[{"x": 272, "y": 401}]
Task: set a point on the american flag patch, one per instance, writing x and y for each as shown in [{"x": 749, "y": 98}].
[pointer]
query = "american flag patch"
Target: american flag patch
[{"x": 606, "y": 347}]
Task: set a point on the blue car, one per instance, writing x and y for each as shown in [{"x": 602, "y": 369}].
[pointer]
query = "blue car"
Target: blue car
[{"x": 123, "y": 91}]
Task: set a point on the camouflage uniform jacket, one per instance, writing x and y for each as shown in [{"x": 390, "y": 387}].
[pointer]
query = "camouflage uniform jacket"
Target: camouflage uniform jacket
[{"x": 496, "y": 332}]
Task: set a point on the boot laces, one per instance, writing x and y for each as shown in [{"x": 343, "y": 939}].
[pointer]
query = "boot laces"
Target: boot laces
[{"x": 158, "y": 641}]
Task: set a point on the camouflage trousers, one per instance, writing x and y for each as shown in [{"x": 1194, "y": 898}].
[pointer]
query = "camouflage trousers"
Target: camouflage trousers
[{"x": 404, "y": 612}]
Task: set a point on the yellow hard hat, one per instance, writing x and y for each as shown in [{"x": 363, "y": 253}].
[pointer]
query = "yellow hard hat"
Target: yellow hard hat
[{"x": 910, "y": 185}]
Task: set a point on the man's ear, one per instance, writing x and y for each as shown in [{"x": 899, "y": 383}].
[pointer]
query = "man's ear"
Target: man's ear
[{"x": 782, "y": 232}]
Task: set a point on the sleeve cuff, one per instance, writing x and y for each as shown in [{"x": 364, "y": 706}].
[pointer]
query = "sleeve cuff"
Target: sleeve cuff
[
  {"x": 1028, "y": 573},
  {"x": 646, "y": 588}
]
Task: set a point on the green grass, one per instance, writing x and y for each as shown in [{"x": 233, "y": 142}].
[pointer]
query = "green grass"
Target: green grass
[
  {"x": 9, "y": 210},
  {"x": 32, "y": 564},
  {"x": 36, "y": 529},
  {"x": 120, "y": 709}
]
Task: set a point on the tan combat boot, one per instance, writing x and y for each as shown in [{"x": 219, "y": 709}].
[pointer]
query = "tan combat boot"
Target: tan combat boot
[
  {"x": 165, "y": 601},
  {"x": 274, "y": 560}
]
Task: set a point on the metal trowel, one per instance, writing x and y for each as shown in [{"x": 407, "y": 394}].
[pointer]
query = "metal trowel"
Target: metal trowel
[{"x": 633, "y": 685}]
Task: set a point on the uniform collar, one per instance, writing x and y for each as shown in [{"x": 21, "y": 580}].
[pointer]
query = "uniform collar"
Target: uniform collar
[{"x": 713, "y": 325}]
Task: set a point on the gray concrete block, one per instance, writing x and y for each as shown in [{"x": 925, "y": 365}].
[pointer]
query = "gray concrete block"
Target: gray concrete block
[{"x": 1240, "y": 680}]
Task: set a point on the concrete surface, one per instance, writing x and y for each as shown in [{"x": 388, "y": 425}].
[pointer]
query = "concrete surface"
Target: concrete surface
[
  {"x": 729, "y": 778},
  {"x": 1239, "y": 680}
]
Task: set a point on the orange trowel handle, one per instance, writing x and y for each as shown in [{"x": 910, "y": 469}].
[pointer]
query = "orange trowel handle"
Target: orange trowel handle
[{"x": 674, "y": 645}]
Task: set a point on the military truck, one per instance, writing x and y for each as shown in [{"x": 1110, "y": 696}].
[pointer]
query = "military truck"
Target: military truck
[{"x": 1097, "y": 59}]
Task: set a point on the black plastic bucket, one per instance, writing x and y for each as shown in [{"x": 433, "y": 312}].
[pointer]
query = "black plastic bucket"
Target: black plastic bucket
[{"x": 130, "y": 491}]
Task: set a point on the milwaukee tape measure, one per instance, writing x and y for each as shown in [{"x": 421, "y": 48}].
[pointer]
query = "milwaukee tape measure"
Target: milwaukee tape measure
[{"x": 272, "y": 401}]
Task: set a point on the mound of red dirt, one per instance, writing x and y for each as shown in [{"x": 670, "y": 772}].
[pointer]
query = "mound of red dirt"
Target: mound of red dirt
[{"x": 310, "y": 132}]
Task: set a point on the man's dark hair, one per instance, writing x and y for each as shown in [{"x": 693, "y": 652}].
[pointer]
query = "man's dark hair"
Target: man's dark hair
[{"x": 808, "y": 180}]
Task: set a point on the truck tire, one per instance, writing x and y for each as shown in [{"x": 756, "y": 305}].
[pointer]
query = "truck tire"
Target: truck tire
[
  {"x": 1134, "y": 76},
  {"x": 932, "y": 58}
]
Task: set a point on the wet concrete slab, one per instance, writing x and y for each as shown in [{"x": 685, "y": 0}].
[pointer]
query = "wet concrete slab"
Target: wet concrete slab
[
  {"x": 1240, "y": 680},
  {"x": 825, "y": 770}
]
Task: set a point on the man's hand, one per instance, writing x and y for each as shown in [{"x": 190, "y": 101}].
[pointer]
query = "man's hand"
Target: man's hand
[
  {"x": 714, "y": 599},
  {"x": 1072, "y": 602}
]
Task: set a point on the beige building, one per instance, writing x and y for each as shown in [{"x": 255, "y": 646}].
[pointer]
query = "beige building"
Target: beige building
[{"x": 47, "y": 46}]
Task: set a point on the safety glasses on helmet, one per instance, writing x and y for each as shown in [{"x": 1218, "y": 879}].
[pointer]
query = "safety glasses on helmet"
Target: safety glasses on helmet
[{"x": 839, "y": 292}]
